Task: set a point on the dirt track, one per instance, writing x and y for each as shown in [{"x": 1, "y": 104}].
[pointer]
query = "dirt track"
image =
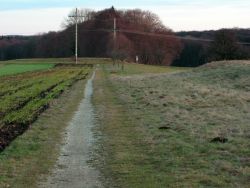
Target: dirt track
[{"x": 72, "y": 168}]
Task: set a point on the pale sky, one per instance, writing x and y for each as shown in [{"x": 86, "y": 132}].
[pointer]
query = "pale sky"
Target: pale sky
[{"x": 28, "y": 17}]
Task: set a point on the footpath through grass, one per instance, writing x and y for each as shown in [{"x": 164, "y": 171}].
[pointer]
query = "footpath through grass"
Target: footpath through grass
[
  {"x": 11, "y": 69},
  {"x": 163, "y": 130}
]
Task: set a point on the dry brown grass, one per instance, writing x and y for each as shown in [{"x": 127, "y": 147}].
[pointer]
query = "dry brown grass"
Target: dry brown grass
[
  {"x": 223, "y": 63},
  {"x": 196, "y": 107}
]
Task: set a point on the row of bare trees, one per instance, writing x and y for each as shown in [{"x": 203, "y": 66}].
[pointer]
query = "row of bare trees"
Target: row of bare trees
[
  {"x": 96, "y": 37},
  {"x": 138, "y": 33},
  {"x": 225, "y": 44}
]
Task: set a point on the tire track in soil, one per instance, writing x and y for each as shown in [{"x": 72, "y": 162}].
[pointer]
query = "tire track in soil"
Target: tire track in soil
[{"x": 72, "y": 168}]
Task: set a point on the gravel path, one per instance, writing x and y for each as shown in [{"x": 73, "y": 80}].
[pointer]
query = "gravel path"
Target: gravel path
[{"x": 72, "y": 169}]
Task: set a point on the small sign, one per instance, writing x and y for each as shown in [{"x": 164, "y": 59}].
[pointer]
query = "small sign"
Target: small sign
[{"x": 137, "y": 59}]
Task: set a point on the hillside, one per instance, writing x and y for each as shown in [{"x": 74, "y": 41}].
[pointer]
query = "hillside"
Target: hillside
[{"x": 189, "y": 129}]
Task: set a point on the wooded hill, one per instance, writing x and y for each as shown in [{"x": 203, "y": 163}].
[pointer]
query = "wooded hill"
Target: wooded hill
[
  {"x": 138, "y": 33},
  {"x": 96, "y": 39}
]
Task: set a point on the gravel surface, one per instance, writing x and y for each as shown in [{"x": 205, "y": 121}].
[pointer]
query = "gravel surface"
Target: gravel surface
[{"x": 72, "y": 169}]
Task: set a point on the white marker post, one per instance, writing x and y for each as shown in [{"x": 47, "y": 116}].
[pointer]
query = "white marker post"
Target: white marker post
[{"x": 137, "y": 59}]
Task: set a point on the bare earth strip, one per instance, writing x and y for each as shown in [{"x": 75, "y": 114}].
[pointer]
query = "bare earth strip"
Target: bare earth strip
[{"x": 72, "y": 169}]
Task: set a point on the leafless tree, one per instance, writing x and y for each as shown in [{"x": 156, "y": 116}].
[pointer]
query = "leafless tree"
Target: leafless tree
[{"x": 84, "y": 15}]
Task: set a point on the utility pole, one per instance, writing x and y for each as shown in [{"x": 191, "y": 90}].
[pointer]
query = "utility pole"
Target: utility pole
[
  {"x": 76, "y": 16},
  {"x": 114, "y": 44},
  {"x": 114, "y": 33}
]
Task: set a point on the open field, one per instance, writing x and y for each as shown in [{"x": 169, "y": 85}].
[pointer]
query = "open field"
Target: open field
[
  {"x": 133, "y": 69},
  {"x": 57, "y": 61},
  {"x": 156, "y": 126},
  {"x": 25, "y": 96},
  {"x": 189, "y": 129},
  {"x": 11, "y": 69}
]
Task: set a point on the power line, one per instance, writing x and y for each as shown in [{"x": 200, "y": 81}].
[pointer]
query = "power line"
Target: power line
[
  {"x": 115, "y": 30},
  {"x": 156, "y": 35},
  {"x": 163, "y": 35},
  {"x": 173, "y": 36}
]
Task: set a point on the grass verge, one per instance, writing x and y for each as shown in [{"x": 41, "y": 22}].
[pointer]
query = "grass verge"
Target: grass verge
[{"x": 124, "y": 151}]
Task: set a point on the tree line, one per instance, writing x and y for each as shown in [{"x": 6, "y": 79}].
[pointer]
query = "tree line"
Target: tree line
[
  {"x": 224, "y": 44},
  {"x": 138, "y": 33}
]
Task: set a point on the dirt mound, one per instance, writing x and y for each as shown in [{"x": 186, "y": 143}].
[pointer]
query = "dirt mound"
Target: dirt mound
[
  {"x": 219, "y": 140},
  {"x": 164, "y": 128},
  {"x": 9, "y": 133}
]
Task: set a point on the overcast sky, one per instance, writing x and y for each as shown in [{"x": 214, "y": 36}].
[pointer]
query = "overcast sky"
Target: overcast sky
[{"x": 29, "y": 17}]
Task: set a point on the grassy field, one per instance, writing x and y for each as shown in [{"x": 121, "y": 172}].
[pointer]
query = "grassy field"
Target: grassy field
[
  {"x": 11, "y": 69},
  {"x": 189, "y": 129},
  {"x": 133, "y": 69},
  {"x": 25, "y": 96},
  {"x": 58, "y": 61},
  {"x": 158, "y": 126}
]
